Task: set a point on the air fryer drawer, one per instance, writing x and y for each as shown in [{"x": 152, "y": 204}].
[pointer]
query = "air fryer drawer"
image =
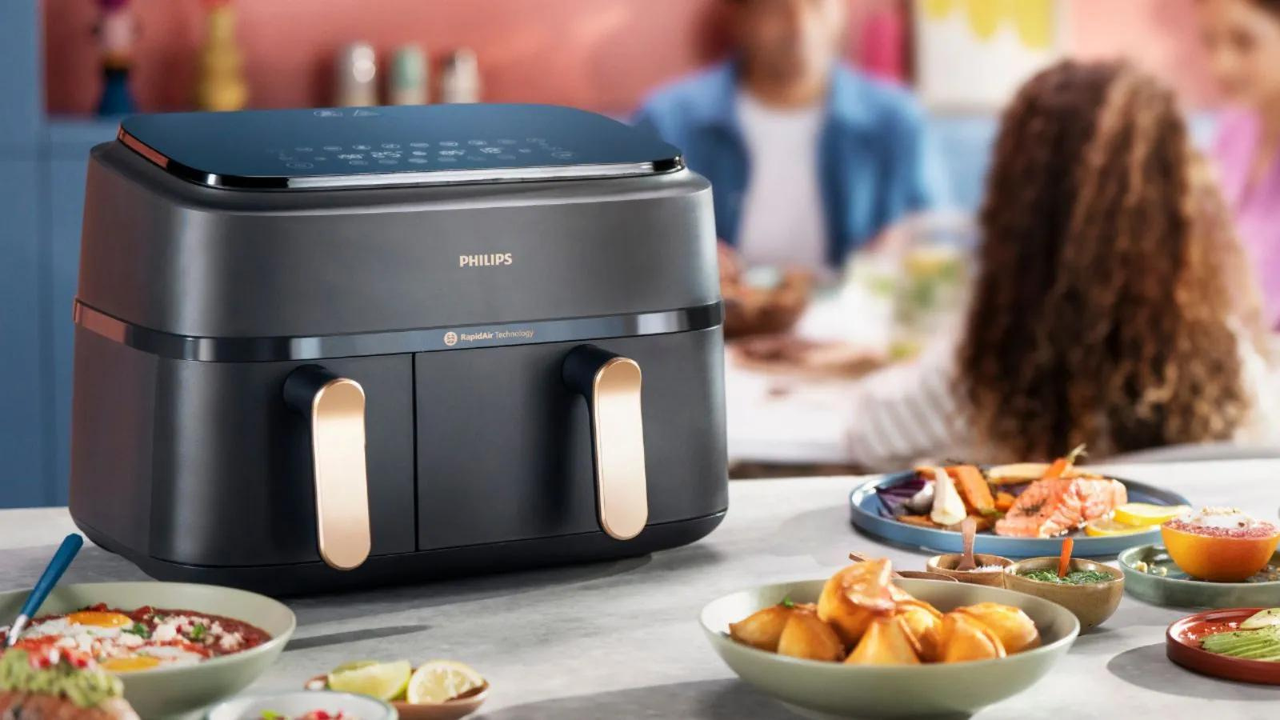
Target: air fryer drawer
[
  {"x": 505, "y": 451},
  {"x": 224, "y": 475}
]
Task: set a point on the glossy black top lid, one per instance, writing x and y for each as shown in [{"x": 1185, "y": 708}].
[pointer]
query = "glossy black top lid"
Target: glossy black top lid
[{"x": 408, "y": 145}]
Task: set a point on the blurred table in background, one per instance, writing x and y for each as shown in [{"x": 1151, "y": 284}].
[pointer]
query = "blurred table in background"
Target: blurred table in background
[{"x": 788, "y": 419}]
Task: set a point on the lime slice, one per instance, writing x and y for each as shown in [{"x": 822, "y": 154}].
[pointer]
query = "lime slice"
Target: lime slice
[
  {"x": 1145, "y": 514},
  {"x": 440, "y": 681},
  {"x": 384, "y": 681}
]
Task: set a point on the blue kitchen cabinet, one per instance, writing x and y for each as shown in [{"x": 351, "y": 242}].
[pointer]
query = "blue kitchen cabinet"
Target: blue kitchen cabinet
[
  {"x": 66, "y": 206},
  {"x": 23, "y": 421},
  {"x": 21, "y": 76}
]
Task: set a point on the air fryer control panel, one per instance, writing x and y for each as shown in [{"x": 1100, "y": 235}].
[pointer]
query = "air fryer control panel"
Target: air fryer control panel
[
  {"x": 332, "y": 147},
  {"x": 470, "y": 152}
]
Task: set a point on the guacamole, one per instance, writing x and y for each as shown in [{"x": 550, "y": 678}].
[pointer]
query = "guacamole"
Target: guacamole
[{"x": 83, "y": 687}]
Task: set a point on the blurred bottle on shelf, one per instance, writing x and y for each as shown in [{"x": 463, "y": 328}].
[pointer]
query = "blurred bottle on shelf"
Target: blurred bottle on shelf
[
  {"x": 221, "y": 86},
  {"x": 407, "y": 84},
  {"x": 460, "y": 77},
  {"x": 116, "y": 30},
  {"x": 882, "y": 51},
  {"x": 356, "y": 69}
]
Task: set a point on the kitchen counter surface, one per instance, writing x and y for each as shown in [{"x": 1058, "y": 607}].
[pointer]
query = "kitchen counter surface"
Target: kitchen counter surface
[{"x": 621, "y": 639}]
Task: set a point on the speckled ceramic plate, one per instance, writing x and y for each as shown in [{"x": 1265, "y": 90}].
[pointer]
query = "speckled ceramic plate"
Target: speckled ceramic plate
[
  {"x": 1182, "y": 646},
  {"x": 865, "y": 507},
  {"x": 1175, "y": 588},
  {"x": 835, "y": 690}
]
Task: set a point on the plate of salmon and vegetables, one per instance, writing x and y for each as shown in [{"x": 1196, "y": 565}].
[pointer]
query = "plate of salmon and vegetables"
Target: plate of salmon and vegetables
[{"x": 1022, "y": 510}]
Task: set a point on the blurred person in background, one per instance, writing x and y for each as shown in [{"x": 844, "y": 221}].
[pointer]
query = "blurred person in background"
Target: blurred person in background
[
  {"x": 1243, "y": 42},
  {"x": 808, "y": 159},
  {"x": 1113, "y": 305}
]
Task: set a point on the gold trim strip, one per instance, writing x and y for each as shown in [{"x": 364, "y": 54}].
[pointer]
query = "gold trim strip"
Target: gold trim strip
[
  {"x": 342, "y": 488},
  {"x": 142, "y": 148},
  {"x": 618, "y": 432}
]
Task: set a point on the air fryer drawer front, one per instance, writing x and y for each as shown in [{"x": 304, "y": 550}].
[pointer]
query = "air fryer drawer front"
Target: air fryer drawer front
[
  {"x": 505, "y": 445},
  {"x": 227, "y": 474}
]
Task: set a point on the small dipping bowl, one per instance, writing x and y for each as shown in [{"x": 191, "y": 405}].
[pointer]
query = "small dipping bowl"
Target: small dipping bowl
[
  {"x": 946, "y": 565},
  {"x": 1092, "y": 604},
  {"x": 297, "y": 704}
]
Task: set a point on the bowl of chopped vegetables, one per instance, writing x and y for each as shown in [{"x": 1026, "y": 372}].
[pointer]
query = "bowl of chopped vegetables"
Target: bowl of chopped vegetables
[
  {"x": 304, "y": 705},
  {"x": 1090, "y": 590}
]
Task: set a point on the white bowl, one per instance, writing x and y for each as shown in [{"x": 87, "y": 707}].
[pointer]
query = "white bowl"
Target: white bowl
[{"x": 301, "y": 702}]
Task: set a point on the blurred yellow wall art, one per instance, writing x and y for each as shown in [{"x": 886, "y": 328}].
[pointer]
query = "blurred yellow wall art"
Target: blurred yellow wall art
[{"x": 1033, "y": 20}]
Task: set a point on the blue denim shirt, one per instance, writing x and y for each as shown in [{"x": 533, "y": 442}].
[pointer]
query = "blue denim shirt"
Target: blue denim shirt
[{"x": 876, "y": 162}]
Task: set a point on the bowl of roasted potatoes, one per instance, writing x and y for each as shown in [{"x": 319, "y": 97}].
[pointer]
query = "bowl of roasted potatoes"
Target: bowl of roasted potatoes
[{"x": 865, "y": 643}]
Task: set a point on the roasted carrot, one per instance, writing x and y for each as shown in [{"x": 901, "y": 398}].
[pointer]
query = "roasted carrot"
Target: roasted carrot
[
  {"x": 1004, "y": 501},
  {"x": 1064, "y": 560},
  {"x": 973, "y": 487},
  {"x": 1063, "y": 465},
  {"x": 921, "y": 520},
  {"x": 985, "y": 522}
]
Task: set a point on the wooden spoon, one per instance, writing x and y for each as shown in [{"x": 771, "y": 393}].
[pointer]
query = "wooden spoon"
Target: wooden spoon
[
  {"x": 862, "y": 558},
  {"x": 968, "y": 529}
]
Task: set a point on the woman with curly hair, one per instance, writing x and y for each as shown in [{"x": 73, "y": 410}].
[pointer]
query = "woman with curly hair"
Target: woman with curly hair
[{"x": 1112, "y": 305}]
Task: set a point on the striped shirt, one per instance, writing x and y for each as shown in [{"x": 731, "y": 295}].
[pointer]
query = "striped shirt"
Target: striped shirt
[{"x": 909, "y": 413}]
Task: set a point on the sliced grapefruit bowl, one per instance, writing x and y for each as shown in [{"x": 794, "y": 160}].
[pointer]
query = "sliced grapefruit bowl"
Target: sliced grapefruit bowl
[{"x": 1220, "y": 554}]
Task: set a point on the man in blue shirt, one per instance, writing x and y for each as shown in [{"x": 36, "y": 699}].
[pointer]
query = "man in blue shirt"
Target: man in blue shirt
[{"x": 808, "y": 159}]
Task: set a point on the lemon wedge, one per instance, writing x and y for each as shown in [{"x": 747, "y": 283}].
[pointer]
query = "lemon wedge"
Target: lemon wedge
[
  {"x": 440, "y": 681},
  {"x": 1108, "y": 528},
  {"x": 384, "y": 681},
  {"x": 1146, "y": 514}
]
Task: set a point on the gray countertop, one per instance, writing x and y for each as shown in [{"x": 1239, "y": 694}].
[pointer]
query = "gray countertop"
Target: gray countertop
[{"x": 621, "y": 639}]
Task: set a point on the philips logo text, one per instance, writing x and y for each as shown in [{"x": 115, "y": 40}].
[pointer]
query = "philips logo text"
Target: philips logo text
[{"x": 489, "y": 260}]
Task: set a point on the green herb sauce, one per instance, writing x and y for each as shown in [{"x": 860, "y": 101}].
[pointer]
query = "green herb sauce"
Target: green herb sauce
[{"x": 1075, "y": 577}]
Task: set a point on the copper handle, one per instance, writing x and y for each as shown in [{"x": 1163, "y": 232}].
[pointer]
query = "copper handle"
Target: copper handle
[
  {"x": 611, "y": 386},
  {"x": 336, "y": 409}
]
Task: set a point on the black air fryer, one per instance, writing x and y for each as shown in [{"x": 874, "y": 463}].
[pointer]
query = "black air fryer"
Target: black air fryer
[{"x": 336, "y": 348}]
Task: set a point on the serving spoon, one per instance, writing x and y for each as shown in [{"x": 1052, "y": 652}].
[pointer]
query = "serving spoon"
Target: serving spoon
[{"x": 52, "y": 573}]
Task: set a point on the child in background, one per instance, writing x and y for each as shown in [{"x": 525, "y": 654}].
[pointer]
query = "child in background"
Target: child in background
[{"x": 1112, "y": 307}]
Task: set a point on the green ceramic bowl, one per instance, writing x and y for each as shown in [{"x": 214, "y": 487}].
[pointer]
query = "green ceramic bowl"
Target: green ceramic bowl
[
  {"x": 1176, "y": 589},
  {"x": 178, "y": 691},
  {"x": 819, "y": 689},
  {"x": 1091, "y": 604}
]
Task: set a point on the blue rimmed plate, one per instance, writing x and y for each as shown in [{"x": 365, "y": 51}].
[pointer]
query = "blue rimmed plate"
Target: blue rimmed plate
[{"x": 865, "y": 508}]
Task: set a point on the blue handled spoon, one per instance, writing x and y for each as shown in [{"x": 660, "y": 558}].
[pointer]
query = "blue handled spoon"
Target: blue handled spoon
[{"x": 52, "y": 573}]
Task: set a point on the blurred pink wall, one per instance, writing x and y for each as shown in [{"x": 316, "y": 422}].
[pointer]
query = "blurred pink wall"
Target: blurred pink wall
[
  {"x": 1159, "y": 34},
  {"x": 597, "y": 54}
]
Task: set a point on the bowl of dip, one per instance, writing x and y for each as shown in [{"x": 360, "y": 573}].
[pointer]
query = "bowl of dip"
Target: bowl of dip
[
  {"x": 1090, "y": 590},
  {"x": 990, "y": 570}
]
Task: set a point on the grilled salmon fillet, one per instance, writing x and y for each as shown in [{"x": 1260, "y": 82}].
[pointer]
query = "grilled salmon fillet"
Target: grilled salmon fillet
[{"x": 1049, "y": 508}]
